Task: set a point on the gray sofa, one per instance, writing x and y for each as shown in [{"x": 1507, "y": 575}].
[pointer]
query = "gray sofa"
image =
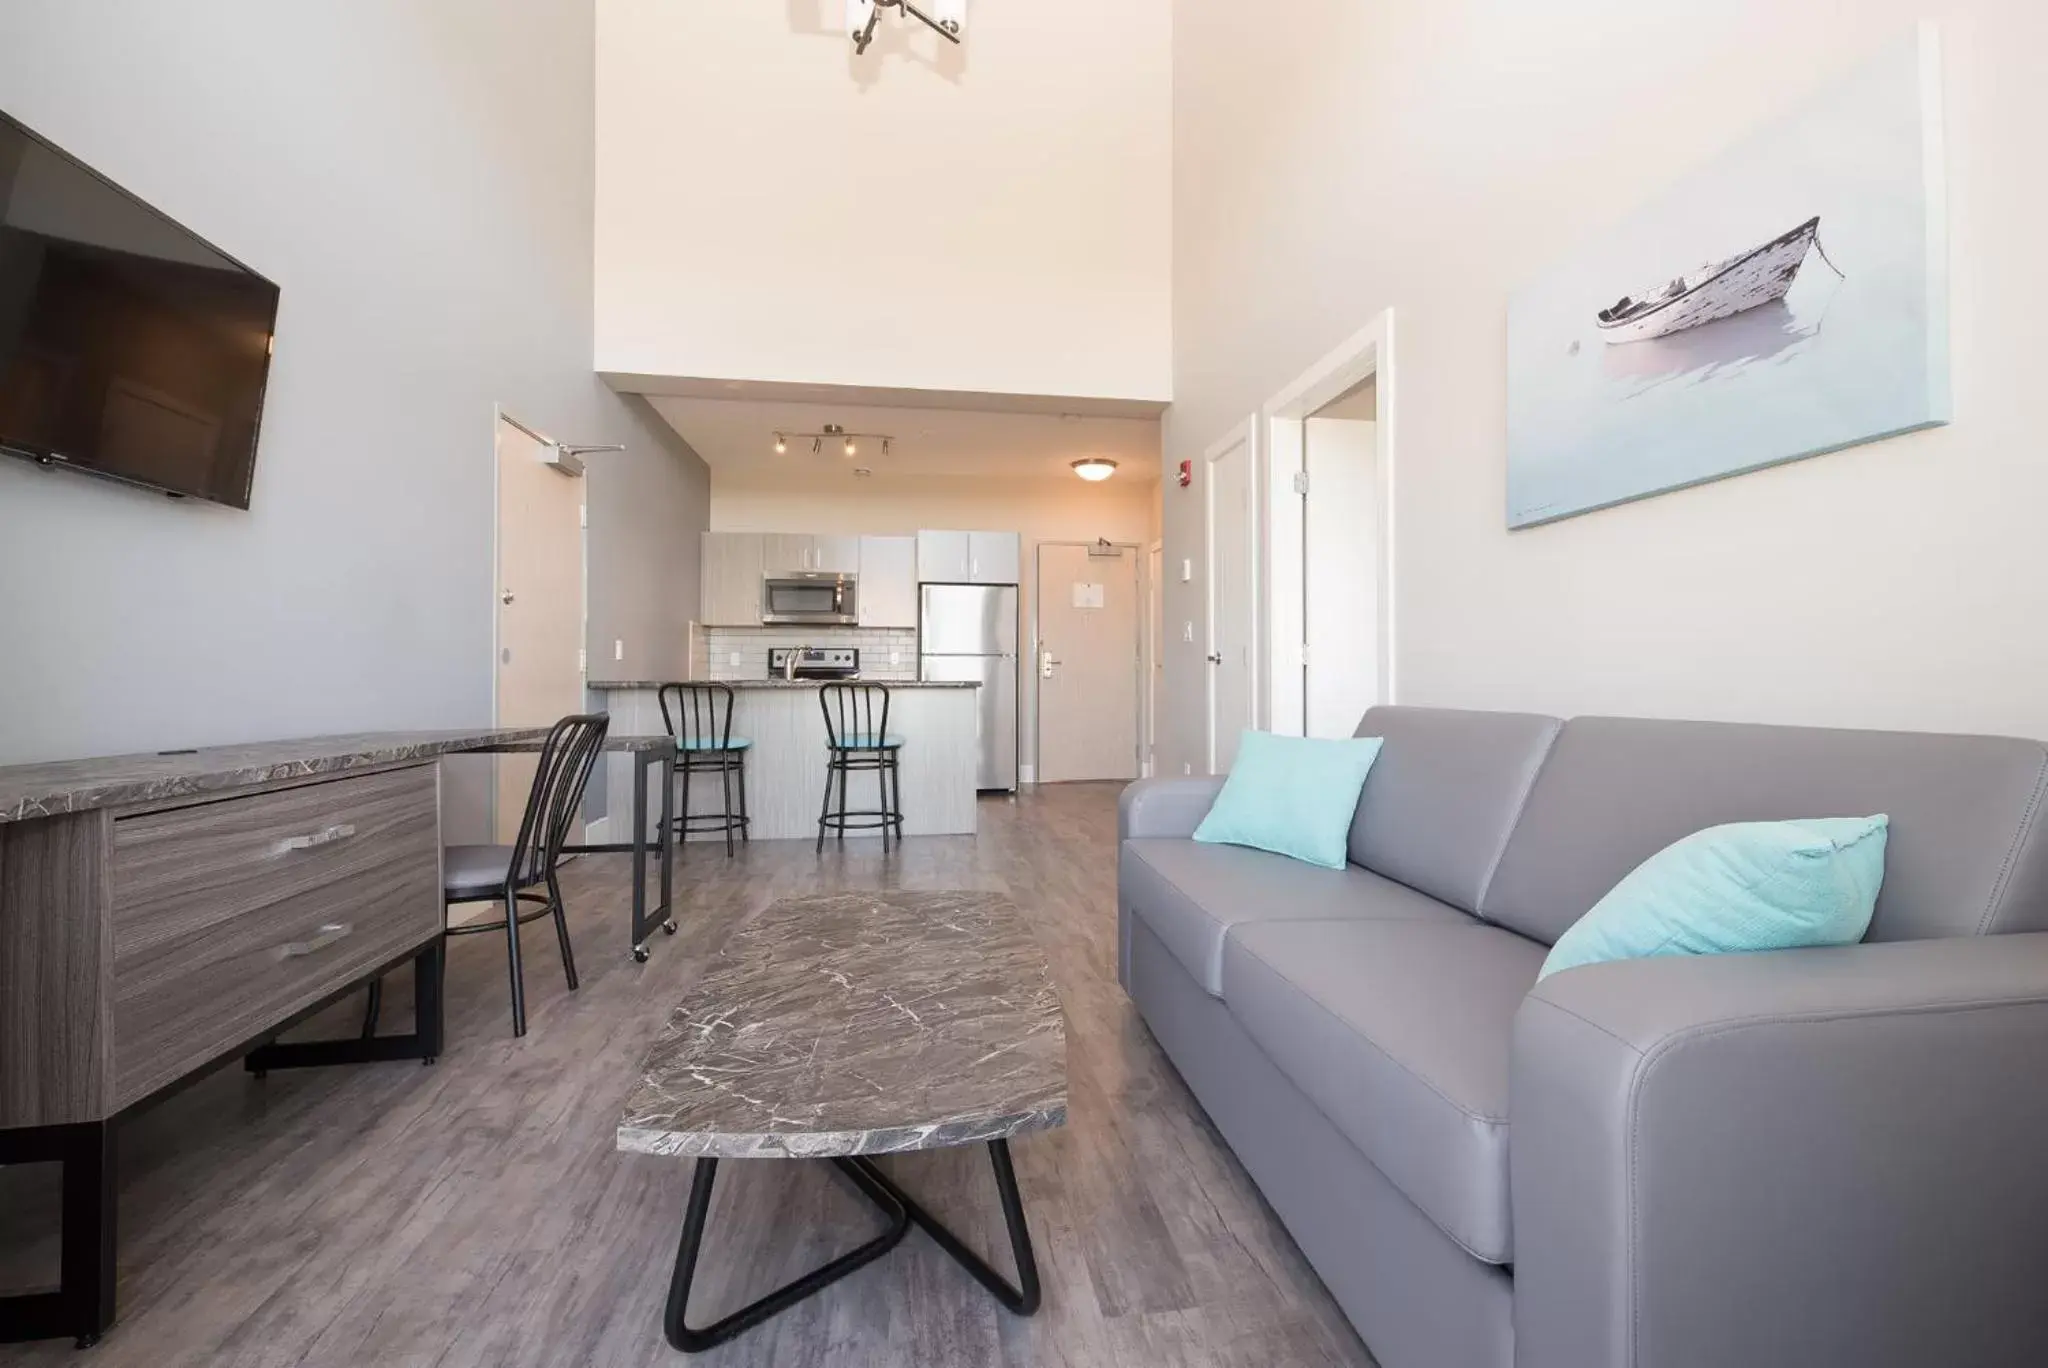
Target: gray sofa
[{"x": 1812, "y": 1157}]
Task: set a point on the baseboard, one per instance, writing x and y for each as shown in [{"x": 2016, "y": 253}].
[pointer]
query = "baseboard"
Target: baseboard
[{"x": 1027, "y": 774}]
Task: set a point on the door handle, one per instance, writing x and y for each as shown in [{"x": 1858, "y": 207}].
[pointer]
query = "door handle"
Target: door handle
[
  {"x": 505, "y": 597},
  {"x": 1214, "y": 658},
  {"x": 1046, "y": 662}
]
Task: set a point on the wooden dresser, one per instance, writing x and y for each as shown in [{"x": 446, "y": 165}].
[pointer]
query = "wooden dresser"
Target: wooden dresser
[{"x": 160, "y": 915}]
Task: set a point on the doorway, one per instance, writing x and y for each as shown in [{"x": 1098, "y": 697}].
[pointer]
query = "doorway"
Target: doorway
[
  {"x": 539, "y": 604},
  {"x": 1155, "y": 661},
  {"x": 1232, "y": 578},
  {"x": 1329, "y": 534},
  {"x": 1088, "y": 661},
  {"x": 1340, "y": 563}
]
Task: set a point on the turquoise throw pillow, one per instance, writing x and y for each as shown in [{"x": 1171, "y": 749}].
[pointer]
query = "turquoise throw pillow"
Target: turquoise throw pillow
[
  {"x": 1746, "y": 886},
  {"x": 1292, "y": 795}
]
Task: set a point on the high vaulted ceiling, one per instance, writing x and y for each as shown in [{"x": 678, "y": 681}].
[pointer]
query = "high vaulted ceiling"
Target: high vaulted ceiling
[{"x": 736, "y": 437}]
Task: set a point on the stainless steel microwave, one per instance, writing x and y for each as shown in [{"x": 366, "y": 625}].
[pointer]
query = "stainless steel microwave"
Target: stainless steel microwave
[{"x": 810, "y": 598}]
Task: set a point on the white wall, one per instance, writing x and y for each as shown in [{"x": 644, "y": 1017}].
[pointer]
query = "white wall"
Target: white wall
[
  {"x": 1431, "y": 158},
  {"x": 418, "y": 178},
  {"x": 992, "y": 218},
  {"x": 1038, "y": 510}
]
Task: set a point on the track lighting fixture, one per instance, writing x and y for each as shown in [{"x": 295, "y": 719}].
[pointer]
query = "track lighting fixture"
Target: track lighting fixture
[
  {"x": 946, "y": 19},
  {"x": 849, "y": 442}
]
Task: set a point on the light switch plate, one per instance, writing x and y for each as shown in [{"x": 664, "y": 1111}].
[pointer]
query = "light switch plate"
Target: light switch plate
[
  {"x": 733, "y": 659},
  {"x": 1187, "y": 570},
  {"x": 618, "y": 650}
]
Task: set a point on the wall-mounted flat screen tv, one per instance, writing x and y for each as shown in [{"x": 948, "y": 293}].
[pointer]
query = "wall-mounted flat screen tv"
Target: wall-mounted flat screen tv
[{"x": 129, "y": 347}]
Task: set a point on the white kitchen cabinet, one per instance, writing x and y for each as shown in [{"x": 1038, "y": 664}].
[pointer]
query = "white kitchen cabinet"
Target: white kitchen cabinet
[
  {"x": 836, "y": 555},
  {"x": 732, "y": 565},
  {"x": 786, "y": 553},
  {"x": 994, "y": 558},
  {"x": 942, "y": 558},
  {"x": 888, "y": 582},
  {"x": 970, "y": 558}
]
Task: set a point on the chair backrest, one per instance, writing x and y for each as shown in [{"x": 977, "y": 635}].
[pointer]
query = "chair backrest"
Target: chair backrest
[
  {"x": 855, "y": 714},
  {"x": 566, "y": 758},
  {"x": 698, "y": 716}
]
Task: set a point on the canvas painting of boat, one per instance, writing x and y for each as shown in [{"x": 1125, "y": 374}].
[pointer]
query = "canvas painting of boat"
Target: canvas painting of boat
[{"x": 1738, "y": 339}]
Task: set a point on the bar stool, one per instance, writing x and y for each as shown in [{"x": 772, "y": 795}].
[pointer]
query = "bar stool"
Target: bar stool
[
  {"x": 857, "y": 739},
  {"x": 699, "y": 717}
]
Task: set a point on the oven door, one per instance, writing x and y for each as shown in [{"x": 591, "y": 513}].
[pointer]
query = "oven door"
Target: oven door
[{"x": 801, "y": 600}]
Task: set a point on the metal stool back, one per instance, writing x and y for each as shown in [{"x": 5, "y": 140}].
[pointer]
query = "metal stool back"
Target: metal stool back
[
  {"x": 699, "y": 717},
  {"x": 857, "y": 738}
]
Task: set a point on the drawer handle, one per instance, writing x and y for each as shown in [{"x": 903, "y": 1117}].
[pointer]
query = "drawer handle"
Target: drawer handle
[
  {"x": 340, "y": 831},
  {"x": 327, "y": 936}
]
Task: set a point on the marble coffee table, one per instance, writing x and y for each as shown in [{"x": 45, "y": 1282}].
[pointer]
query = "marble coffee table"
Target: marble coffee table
[{"x": 849, "y": 1025}]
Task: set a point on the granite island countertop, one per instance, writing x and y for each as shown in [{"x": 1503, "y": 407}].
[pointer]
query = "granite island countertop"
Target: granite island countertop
[
  {"x": 44, "y": 790},
  {"x": 602, "y": 684}
]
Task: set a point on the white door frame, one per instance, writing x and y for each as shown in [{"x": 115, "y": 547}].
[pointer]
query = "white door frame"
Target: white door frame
[
  {"x": 1153, "y": 585},
  {"x": 499, "y": 415},
  {"x": 1245, "y": 434},
  {"x": 1367, "y": 354}
]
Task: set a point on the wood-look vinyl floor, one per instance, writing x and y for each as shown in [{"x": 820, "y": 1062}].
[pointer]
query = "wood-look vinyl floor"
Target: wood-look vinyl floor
[{"x": 476, "y": 1212}]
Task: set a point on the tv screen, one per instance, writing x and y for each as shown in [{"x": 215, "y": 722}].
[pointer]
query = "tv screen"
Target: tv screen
[{"x": 129, "y": 348}]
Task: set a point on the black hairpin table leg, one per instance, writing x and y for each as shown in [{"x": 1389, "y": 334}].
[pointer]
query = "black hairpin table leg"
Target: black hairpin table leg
[
  {"x": 675, "y": 1324},
  {"x": 893, "y": 1202}
]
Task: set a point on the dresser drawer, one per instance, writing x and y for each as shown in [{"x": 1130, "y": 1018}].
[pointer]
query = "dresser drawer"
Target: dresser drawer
[
  {"x": 225, "y": 926},
  {"x": 180, "y": 871}
]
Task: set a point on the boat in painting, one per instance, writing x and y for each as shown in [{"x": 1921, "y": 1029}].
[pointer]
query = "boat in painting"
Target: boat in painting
[{"x": 1717, "y": 290}]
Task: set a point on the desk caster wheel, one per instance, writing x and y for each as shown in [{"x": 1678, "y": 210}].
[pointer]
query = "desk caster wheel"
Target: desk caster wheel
[
  {"x": 429, "y": 1059},
  {"x": 259, "y": 1075},
  {"x": 669, "y": 927},
  {"x": 639, "y": 954},
  {"x": 87, "y": 1340}
]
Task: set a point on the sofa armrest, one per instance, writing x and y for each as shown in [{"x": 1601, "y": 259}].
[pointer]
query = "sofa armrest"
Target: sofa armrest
[
  {"x": 1799, "y": 1157},
  {"x": 1165, "y": 807}
]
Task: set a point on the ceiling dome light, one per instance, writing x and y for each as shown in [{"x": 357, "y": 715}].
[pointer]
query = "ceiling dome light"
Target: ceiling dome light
[
  {"x": 851, "y": 449},
  {"x": 780, "y": 444},
  {"x": 1094, "y": 469}
]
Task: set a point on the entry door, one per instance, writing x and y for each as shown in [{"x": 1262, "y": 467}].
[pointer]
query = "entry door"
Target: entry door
[
  {"x": 1340, "y": 575},
  {"x": 1088, "y": 648},
  {"x": 1232, "y": 594},
  {"x": 539, "y": 605}
]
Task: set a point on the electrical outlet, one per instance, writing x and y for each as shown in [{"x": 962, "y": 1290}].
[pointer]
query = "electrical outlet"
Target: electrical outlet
[
  {"x": 1186, "y": 768},
  {"x": 1187, "y": 631},
  {"x": 618, "y": 650},
  {"x": 895, "y": 659}
]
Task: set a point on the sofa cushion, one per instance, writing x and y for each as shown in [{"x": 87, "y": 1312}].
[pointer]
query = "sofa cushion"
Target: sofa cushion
[
  {"x": 1400, "y": 1033},
  {"x": 1437, "y": 808},
  {"x": 1191, "y": 895},
  {"x": 1965, "y": 853}
]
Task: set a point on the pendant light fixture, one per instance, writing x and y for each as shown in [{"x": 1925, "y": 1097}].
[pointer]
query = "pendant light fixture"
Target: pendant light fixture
[{"x": 1094, "y": 469}]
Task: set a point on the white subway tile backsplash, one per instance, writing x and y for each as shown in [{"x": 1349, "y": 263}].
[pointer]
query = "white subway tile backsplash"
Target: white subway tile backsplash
[{"x": 752, "y": 645}]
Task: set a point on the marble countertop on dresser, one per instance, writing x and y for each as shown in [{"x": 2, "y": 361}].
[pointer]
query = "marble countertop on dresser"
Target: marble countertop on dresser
[
  {"x": 58, "y": 786},
  {"x": 785, "y": 683}
]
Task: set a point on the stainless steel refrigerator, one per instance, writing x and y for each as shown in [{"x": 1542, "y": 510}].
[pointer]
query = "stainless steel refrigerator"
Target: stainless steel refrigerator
[{"x": 969, "y": 631}]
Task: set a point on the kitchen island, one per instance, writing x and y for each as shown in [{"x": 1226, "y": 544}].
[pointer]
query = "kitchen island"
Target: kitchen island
[{"x": 938, "y": 721}]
